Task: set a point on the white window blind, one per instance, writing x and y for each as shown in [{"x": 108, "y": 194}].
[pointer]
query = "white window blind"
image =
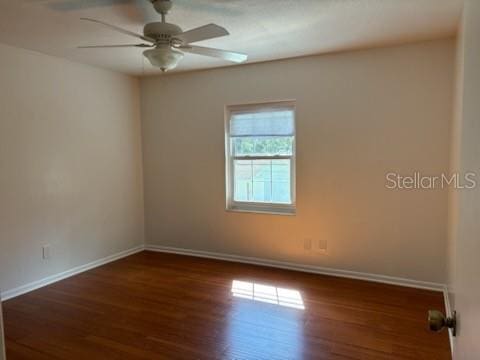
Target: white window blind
[{"x": 278, "y": 122}]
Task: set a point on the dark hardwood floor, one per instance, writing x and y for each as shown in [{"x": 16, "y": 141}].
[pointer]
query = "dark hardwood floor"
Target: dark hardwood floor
[{"x": 160, "y": 306}]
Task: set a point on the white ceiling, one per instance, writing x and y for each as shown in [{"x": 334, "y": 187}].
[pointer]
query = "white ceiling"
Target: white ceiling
[{"x": 263, "y": 29}]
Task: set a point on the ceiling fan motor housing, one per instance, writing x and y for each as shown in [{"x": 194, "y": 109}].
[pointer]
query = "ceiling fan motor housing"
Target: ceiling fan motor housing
[{"x": 160, "y": 31}]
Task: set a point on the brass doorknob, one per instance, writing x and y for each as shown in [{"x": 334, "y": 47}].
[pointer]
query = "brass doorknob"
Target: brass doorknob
[{"x": 437, "y": 321}]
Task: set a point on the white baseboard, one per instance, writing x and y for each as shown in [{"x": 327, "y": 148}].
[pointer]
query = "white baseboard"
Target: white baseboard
[
  {"x": 8, "y": 294},
  {"x": 300, "y": 267}
]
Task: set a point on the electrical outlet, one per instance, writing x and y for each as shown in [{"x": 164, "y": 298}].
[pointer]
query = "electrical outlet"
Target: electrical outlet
[
  {"x": 307, "y": 244},
  {"x": 322, "y": 246},
  {"x": 46, "y": 252}
]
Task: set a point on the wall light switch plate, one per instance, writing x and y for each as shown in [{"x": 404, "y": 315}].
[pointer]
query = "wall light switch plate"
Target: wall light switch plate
[
  {"x": 322, "y": 245},
  {"x": 46, "y": 252}
]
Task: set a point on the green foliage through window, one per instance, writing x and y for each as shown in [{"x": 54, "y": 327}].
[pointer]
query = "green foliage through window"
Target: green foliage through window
[{"x": 262, "y": 146}]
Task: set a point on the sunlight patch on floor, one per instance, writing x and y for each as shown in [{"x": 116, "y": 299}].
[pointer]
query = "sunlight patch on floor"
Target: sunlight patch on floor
[{"x": 268, "y": 294}]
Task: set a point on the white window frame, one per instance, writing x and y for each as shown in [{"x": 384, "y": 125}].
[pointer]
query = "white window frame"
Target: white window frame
[{"x": 258, "y": 207}]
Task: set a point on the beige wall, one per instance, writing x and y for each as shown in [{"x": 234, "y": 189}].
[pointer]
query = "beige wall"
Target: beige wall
[
  {"x": 70, "y": 165},
  {"x": 465, "y": 243},
  {"x": 360, "y": 115}
]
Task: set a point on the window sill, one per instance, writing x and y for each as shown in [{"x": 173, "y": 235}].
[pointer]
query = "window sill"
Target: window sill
[{"x": 289, "y": 211}]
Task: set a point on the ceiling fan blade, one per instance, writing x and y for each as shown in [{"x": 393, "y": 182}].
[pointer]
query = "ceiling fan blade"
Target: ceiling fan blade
[
  {"x": 221, "y": 54},
  {"x": 205, "y": 32},
  {"x": 115, "y": 46},
  {"x": 119, "y": 29}
]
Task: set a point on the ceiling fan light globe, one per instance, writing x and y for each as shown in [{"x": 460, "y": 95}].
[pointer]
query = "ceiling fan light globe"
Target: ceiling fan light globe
[{"x": 164, "y": 58}]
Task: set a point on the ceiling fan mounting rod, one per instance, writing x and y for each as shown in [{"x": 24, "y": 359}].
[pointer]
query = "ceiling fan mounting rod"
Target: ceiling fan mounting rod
[{"x": 162, "y": 7}]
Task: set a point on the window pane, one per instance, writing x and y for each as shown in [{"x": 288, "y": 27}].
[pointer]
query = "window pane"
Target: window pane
[
  {"x": 281, "y": 181},
  {"x": 262, "y": 181},
  {"x": 262, "y": 191},
  {"x": 281, "y": 170},
  {"x": 262, "y": 146},
  {"x": 281, "y": 192},
  {"x": 262, "y": 170},
  {"x": 243, "y": 180}
]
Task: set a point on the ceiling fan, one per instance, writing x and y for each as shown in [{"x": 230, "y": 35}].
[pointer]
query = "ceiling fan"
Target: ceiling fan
[{"x": 167, "y": 42}]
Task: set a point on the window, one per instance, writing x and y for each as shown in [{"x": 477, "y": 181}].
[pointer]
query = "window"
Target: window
[{"x": 260, "y": 157}]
